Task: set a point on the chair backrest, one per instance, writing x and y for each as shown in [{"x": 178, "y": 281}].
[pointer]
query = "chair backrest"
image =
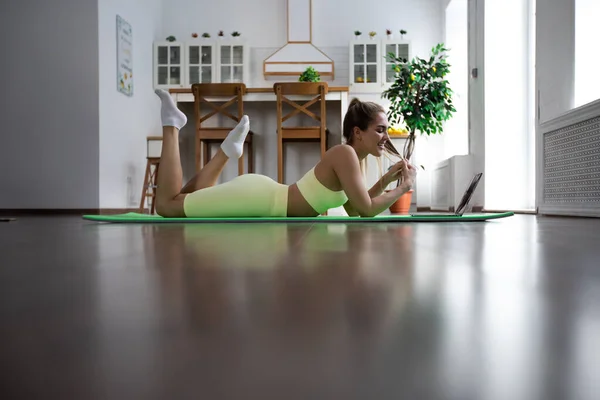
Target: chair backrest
[
  {"x": 300, "y": 88},
  {"x": 208, "y": 94},
  {"x": 316, "y": 89}
]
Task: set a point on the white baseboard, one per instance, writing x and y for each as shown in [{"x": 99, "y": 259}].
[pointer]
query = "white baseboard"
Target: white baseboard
[{"x": 584, "y": 210}]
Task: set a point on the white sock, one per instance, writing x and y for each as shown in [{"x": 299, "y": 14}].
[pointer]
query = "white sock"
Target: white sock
[
  {"x": 169, "y": 113},
  {"x": 233, "y": 145}
]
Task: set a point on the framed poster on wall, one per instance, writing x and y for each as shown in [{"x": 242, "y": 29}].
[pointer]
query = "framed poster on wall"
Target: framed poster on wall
[{"x": 124, "y": 57}]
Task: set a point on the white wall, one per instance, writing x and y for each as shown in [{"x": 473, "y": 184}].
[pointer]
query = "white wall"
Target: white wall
[
  {"x": 334, "y": 22},
  {"x": 49, "y": 149},
  {"x": 264, "y": 22},
  {"x": 555, "y": 57},
  {"x": 126, "y": 121}
]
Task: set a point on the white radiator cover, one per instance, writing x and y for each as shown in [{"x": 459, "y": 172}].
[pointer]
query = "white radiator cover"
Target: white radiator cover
[
  {"x": 449, "y": 180},
  {"x": 568, "y": 171}
]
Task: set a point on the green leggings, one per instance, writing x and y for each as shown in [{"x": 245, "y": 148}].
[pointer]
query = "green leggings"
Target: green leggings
[{"x": 248, "y": 195}]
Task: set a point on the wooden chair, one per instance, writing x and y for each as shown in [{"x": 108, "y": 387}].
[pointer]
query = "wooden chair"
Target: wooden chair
[
  {"x": 208, "y": 95},
  {"x": 151, "y": 176},
  {"x": 314, "y": 133}
]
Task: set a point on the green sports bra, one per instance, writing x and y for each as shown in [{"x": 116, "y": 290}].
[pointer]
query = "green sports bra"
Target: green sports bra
[{"x": 318, "y": 196}]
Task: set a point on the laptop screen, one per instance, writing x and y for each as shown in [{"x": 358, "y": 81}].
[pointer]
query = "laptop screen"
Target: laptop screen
[{"x": 468, "y": 194}]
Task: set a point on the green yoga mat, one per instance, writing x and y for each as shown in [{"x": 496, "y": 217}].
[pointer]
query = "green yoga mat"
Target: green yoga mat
[{"x": 145, "y": 218}]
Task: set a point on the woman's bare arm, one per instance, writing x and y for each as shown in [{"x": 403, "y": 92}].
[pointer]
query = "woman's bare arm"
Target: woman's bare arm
[
  {"x": 347, "y": 169},
  {"x": 375, "y": 191}
]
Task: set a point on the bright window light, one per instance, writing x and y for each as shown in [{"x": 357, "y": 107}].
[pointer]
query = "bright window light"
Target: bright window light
[
  {"x": 587, "y": 57},
  {"x": 509, "y": 105}
]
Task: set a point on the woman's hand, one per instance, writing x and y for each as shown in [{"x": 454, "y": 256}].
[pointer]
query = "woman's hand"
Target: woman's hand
[
  {"x": 401, "y": 170},
  {"x": 409, "y": 174},
  {"x": 393, "y": 173}
]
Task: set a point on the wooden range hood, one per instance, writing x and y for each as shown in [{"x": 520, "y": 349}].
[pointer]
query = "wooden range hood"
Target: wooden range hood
[{"x": 299, "y": 53}]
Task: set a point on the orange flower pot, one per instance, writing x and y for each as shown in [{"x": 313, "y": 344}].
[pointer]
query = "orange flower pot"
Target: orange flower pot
[{"x": 402, "y": 205}]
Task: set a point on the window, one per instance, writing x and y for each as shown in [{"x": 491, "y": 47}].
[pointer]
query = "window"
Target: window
[
  {"x": 587, "y": 79},
  {"x": 510, "y": 105},
  {"x": 456, "y": 130}
]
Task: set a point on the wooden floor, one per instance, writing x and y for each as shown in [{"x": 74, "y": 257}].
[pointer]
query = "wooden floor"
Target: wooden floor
[{"x": 507, "y": 309}]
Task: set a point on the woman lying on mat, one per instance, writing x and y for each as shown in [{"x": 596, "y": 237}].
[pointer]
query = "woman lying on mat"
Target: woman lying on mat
[{"x": 336, "y": 180}]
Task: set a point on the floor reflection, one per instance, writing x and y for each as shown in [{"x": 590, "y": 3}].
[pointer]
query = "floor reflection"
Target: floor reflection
[
  {"x": 322, "y": 296},
  {"x": 482, "y": 311},
  {"x": 298, "y": 274}
]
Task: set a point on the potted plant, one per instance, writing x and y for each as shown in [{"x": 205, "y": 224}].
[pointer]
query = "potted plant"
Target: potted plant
[
  {"x": 388, "y": 32},
  {"x": 236, "y": 34},
  {"x": 357, "y": 34},
  {"x": 309, "y": 75},
  {"x": 372, "y": 35},
  {"x": 221, "y": 34},
  {"x": 420, "y": 96},
  {"x": 206, "y": 35},
  {"x": 402, "y": 33}
]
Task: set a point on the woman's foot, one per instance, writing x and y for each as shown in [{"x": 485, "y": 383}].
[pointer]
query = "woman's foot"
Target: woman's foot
[
  {"x": 233, "y": 145},
  {"x": 169, "y": 113}
]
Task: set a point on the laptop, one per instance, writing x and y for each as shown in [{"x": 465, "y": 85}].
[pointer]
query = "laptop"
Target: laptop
[{"x": 464, "y": 202}]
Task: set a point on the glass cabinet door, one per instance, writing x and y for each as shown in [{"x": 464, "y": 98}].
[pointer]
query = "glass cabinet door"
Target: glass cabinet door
[
  {"x": 232, "y": 62},
  {"x": 365, "y": 63},
  {"x": 365, "y": 66},
  {"x": 169, "y": 63},
  {"x": 200, "y": 63},
  {"x": 399, "y": 50}
]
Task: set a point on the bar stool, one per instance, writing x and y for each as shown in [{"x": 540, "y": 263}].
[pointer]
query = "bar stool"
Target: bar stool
[
  {"x": 207, "y": 94},
  {"x": 315, "y": 133},
  {"x": 151, "y": 175}
]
